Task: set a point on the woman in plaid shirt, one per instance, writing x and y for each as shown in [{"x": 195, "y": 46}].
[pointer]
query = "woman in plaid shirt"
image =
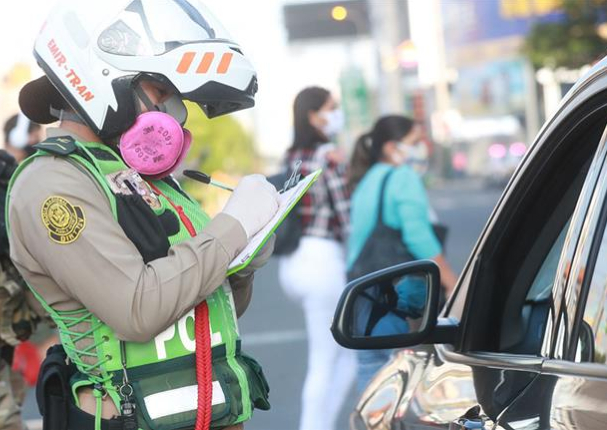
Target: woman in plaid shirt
[{"x": 315, "y": 273}]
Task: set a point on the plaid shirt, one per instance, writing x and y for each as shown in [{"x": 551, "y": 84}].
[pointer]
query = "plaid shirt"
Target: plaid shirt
[{"x": 325, "y": 208}]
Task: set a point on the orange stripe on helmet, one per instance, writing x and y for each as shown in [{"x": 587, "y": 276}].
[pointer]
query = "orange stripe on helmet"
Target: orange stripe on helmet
[
  {"x": 185, "y": 62},
  {"x": 205, "y": 63},
  {"x": 224, "y": 64}
]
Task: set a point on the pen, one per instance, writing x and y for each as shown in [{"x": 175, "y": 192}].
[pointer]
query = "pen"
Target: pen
[{"x": 205, "y": 179}]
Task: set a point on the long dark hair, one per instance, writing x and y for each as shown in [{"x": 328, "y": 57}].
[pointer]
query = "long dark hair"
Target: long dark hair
[
  {"x": 306, "y": 135},
  {"x": 369, "y": 146}
]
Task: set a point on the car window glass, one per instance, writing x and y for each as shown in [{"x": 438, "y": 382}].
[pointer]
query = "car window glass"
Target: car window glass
[
  {"x": 592, "y": 346},
  {"x": 542, "y": 284},
  {"x": 526, "y": 308}
]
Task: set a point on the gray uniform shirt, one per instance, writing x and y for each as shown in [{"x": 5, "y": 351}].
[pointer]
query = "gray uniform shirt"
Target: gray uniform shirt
[{"x": 102, "y": 269}]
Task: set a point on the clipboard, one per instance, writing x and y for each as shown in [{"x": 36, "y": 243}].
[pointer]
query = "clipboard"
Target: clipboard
[{"x": 287, "y": 201}]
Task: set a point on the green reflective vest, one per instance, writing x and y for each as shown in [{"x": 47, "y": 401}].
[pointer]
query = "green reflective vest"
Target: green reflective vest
[{"x": 162, "y": 371}]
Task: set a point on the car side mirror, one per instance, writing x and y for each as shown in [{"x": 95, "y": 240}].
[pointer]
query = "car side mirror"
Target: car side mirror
[{"x": 392, "y": 308}]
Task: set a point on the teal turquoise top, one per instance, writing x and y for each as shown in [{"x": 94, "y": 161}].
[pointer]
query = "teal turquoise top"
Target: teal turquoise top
[{"x": 406, "y": 209}]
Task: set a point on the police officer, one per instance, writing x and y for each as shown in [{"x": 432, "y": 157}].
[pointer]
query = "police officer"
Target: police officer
[{"x": 130, "y": 268}]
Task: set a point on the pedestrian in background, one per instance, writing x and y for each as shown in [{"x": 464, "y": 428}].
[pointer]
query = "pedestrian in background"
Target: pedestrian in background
[
  {"x": 314, "y": 275},
  {"x": 385, "y": 182},
  {"x": 18, "y": 317},
  {"x": 20, "y": 134}
]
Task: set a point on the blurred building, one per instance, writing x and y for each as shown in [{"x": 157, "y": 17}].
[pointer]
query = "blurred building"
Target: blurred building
[
  {"x": 362, "y": 46},
  {"x": 496, "y": 104},
  {"x": 332, "y": 42}
]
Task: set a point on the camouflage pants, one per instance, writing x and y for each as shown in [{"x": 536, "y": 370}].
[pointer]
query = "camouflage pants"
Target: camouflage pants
[{"x": 12, "y": 394}]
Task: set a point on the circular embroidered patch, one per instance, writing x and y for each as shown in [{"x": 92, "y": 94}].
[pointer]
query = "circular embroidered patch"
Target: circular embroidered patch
[{"x": 63, "y": 220}]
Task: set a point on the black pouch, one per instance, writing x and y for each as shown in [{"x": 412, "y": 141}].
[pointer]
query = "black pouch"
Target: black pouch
[
  {"x": 143, "y": 227},
  {"x": 80, "y": 420},
  {"x": 53, "y": 389}
]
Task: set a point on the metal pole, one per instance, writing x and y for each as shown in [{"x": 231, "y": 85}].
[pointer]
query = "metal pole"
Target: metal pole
[
  {"x": 385, "y": 32},
  {"x": 443, "y": 99}
]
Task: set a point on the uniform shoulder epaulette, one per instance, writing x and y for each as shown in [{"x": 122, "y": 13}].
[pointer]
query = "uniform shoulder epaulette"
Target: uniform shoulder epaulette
[{"x": 60, "y": 145}]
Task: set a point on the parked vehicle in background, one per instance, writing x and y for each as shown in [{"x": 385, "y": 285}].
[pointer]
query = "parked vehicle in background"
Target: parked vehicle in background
[{"x": 522, "y": 342}]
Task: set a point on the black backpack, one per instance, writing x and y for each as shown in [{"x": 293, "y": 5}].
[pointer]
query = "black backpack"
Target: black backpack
[
  {"x": 384, "y": 246},
  {"x": 290, "y": 230}
]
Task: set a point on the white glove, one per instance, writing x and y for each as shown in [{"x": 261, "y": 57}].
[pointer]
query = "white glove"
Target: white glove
[{"x": 253, "y": 203}]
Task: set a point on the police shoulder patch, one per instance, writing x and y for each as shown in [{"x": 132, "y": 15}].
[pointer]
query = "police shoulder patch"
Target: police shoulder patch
[{"x": 63, "y": 220}]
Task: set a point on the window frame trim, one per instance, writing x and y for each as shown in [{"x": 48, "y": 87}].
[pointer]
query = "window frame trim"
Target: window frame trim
[
  {"x": 584, "y": 261},
  {"x": 499, "y": 360},
  {"x": 575, "y": 369}
]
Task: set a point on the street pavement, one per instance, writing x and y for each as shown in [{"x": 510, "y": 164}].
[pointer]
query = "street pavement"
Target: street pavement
[{"x": 273, "y": 327}]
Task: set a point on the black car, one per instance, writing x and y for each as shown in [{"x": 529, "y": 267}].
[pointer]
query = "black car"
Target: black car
[{"x": 522, "y": 342}]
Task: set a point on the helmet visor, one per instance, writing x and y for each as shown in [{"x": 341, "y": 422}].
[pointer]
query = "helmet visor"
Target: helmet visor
[{"x": 153, "y": 27}]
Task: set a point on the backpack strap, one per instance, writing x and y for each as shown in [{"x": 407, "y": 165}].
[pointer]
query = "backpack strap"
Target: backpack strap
[{"x": 382, "y": 197}]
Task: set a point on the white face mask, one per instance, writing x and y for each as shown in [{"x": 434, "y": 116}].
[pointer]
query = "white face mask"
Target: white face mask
[
  {"x": 416, "y": 156},
  {"x": 335, "y": 122}
]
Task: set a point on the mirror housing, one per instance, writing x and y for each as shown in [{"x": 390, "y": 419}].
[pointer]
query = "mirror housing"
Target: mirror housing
[{"x": 346, "y": 317}]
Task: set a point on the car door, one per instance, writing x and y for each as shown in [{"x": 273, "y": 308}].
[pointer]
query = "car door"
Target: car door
[{"x": 514, "y": 285}]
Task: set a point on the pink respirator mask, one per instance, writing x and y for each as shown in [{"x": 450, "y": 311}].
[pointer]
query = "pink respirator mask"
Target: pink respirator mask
[{"x": 155, "y": 145}]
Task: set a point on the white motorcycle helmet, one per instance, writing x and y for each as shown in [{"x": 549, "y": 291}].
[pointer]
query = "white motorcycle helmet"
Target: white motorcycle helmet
[{"x": 94, "y": 53}]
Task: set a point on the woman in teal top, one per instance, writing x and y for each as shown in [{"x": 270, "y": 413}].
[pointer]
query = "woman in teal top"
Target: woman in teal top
[
  {"x": 406, "y": 209},
  {"x": 392, "y": 148}
]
